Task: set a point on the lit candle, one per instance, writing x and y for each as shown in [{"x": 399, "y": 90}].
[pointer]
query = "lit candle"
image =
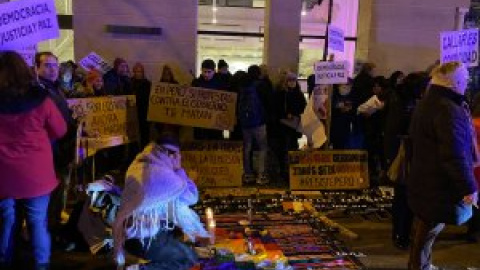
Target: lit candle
[
  {"x": 211, "y": 229},
  {"x": 209, "y": 214}
]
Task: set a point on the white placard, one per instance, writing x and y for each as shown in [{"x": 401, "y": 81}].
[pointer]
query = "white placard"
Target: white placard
[
  {"x": 460, "y": 46},
  {"x": 94, "y": 61},
  {"x": 27, "y": 22},
  {"x": 336, "y": 38},
  {"x": 331, "y": 72}
]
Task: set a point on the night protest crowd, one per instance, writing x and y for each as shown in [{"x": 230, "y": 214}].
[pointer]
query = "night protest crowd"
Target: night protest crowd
[{"x": 37, "y": 135}]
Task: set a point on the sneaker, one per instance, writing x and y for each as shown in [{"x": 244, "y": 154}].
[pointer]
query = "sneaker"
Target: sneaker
[
  {"x": 262, "y": 179},
  {"x": 248, "y": 178}
]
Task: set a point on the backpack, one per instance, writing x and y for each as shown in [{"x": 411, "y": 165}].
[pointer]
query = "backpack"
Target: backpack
[{"x": 250, "y": 111}]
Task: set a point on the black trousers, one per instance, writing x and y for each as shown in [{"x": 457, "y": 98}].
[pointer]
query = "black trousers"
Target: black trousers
[
  {"x": 165, "y": 252},
  {"x": 423, "y": 236},
  {"x": 402, "y": 215}
]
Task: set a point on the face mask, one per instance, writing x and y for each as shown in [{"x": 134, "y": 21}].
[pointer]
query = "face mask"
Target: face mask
[{"x": 344, "y": 90}]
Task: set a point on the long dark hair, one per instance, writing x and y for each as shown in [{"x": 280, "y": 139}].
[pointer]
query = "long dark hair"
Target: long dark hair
[{"x": 15, "y": 76}]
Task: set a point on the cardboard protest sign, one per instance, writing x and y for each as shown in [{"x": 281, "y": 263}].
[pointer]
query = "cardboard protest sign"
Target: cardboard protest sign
[
  {"x": 460, "y": 46},
  {"x": 190, "y": 106},
  {"x": 214, "y": 164},
  {"x": 27, "y": 22},
  {"x": 331, "y": 72},
  {"x": 328, "y": 170},
  {"x": 336, "y": 38},
  {"x": 94, "y": 61},
  {"x": 108, "y": 121}
]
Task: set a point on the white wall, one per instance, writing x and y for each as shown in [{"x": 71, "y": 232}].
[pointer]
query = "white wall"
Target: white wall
[{"x": 176, "y": 45}]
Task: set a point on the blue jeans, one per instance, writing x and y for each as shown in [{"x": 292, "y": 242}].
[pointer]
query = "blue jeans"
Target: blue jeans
[
  {"x": 259, "y": 134},
  {"x": 36, "y": 215}
]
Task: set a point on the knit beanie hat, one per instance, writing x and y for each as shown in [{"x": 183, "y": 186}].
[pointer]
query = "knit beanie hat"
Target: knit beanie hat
[
  {"x": 208, "y": 64},
  {"x": 168, "y": 139},
  {"x": 117, "y": 62},
  {"x": 452, "y": 75},
  {"x": 92, "y": 75},
  {"x": 222, "y": 64}
]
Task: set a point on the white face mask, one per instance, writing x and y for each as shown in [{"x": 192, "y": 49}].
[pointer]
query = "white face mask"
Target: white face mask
[
  {"x": 460, "y": 80},
  {"x": 344, "y": 90},
  {"x": 67, "y": 77}
]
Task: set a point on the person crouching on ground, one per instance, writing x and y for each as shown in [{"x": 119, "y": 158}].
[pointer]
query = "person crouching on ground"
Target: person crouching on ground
[{"x": 155, "y": 201}]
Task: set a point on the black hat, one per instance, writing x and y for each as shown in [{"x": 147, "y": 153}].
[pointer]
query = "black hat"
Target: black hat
[
  {"x": 168, "y": 139},
  {"x": 222, "y": 64},
  {"x": 208, "y": 64}
]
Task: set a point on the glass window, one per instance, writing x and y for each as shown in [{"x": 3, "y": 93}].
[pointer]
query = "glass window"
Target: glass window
[
  {"x": 311, "y": 51},
  {"x": 315, "y": 19},
  {"x": 61, "y": 47},
  {"x": 345, "y": 16}
]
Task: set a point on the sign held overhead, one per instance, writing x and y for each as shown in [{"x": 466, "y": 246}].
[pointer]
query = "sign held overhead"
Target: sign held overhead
[
  {"x": 27, "y": 22},
  {"x": 460, "y": 46},
  {"x": 331, "y": 72},
  {"x": 336, "y": 38}
]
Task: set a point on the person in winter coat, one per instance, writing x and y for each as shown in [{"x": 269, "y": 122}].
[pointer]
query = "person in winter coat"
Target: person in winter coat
[
  {"x": 251, "y": 110},
  {"x": 399, "y": 108},
  {"x": 141, "y": 87},
  {"x": 156, "y": 199},
  {"x": 441, "y": 188},
  {"x": 93, "y": 85},
  {"x": 29, "y": 120},
  {"x": 288, "y": 103},
  {"x": 223, "y": 75},
  {"x": 342, "y": 130},
  {"x": 208, "y": 80},
  {"x": 117, "y": 80}
]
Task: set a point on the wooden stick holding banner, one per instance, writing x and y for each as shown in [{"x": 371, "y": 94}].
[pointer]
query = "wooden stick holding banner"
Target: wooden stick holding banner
[{"x": 190, "y": 106}]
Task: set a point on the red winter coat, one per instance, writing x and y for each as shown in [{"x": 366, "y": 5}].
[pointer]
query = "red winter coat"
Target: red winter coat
[{"x": 27, "y": 128}]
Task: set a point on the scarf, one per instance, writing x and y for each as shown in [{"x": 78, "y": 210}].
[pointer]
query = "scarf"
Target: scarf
[{"x": 155, "y": 198}]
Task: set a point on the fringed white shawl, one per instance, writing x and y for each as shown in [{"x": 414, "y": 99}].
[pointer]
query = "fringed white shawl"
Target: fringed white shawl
[{"x": 155, "y": 197}]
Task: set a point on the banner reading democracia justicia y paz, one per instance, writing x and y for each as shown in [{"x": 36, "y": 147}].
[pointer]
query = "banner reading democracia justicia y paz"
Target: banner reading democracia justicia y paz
[
  {"x": 191, "y": 106},
  {"x": 328, "y": 170}
]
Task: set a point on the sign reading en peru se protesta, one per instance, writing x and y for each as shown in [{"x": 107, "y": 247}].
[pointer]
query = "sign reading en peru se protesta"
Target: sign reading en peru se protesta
[
  {"x": 192, "y": 106},
  {"x": 460, "y": 46}
]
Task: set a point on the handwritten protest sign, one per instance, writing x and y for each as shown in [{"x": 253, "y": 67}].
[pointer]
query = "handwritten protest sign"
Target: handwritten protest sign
[
  {"x": 336, "y": 38},
  {"x": 107, "y": 117},
  {"x": 460, "y": 46},
  {"x": 190, "y": 106},
  {"x": 214, "y": 164},
  {"x": 27, "y": 22},
  {"x": 94, "y": 61},
  {"x": 328, "y": 170},
  {"x": 331, "y": 72}
]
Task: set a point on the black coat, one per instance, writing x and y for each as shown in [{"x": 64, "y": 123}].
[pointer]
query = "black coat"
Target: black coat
[
  {"x": 442, "y": 157},
  {"x": 115, "y": 84}
]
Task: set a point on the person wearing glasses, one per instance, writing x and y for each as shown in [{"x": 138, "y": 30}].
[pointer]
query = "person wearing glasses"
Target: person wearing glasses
[{"x": 155, "y": 204}]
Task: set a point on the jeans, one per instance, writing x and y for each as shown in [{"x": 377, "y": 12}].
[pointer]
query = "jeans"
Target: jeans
[
  {"x": 36, "y": 215},
  {"x": 259, "y": 134},
  {"x": 423, "y": 235}
]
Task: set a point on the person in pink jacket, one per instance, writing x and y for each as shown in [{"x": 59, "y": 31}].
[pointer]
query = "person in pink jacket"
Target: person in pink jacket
[{"x": 29, "y": 122}]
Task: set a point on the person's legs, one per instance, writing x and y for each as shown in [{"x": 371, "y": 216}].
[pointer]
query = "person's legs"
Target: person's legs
[
  {"x": 423, "y": 236},
  {"x": 7, "y": 215},
  {"x": 260, "y": 134},
  {"x": 248, "y": 135},
  {"x": 36, "y": 214},
  {"x": 402, "y": 217}
]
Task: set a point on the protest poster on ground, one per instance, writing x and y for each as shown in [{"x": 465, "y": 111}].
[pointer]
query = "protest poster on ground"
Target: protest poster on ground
[
  {"x": 27, "y": 22},
  {"x": 460, "y": 46},
  {"x": 336, "y": 38},
  {"x": 94, "y": 61},
  {"x": 191, "y": 106},
  {"x": 331, "y": 72},
  {"x": 214, "y": 164},
  {"x": 328, "y": 170},
  {"x": 106, "y": 121}
]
